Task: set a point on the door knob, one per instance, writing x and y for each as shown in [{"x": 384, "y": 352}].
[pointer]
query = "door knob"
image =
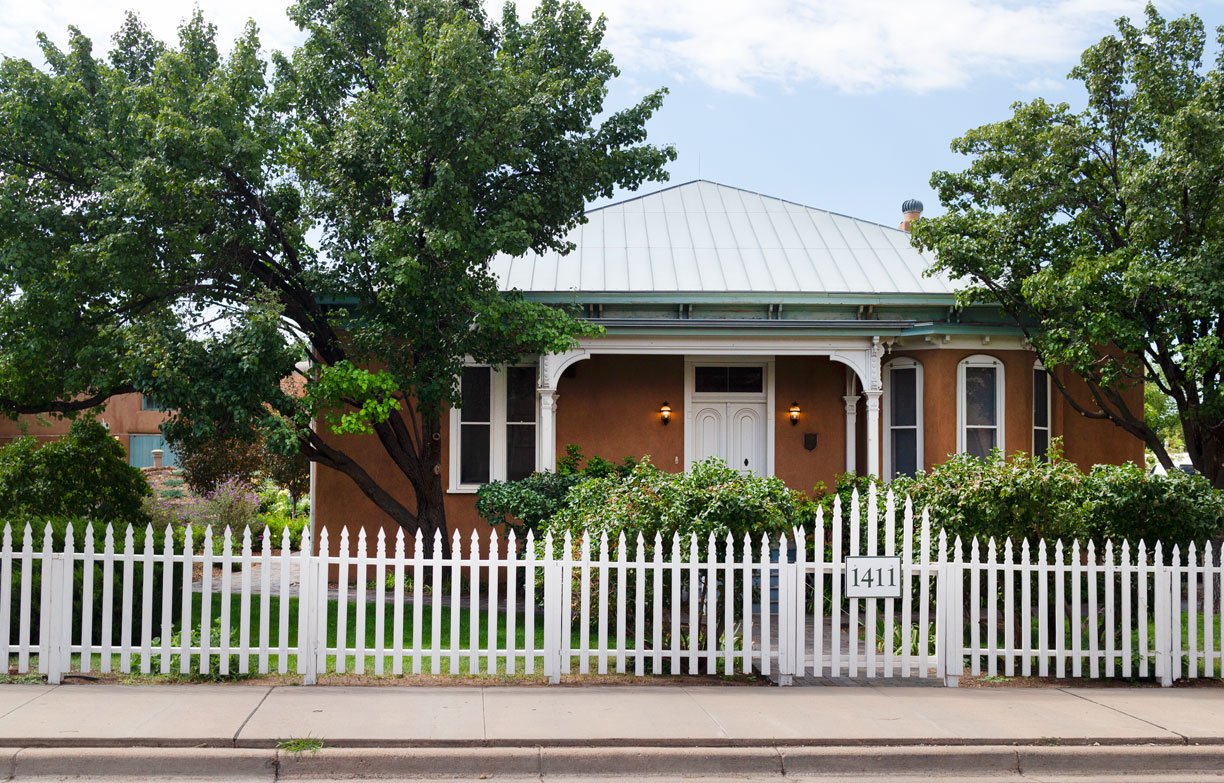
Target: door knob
[{"x": 745, "y": 462}]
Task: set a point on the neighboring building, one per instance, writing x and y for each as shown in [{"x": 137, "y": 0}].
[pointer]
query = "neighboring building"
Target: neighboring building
[
  {"x": 133, "y": 419},
  {"x": 787, "y": 340}
]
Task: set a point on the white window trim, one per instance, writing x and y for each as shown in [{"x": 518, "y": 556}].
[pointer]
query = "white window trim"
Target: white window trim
[
  {"x": 497, "y": 432},
  {"x": 981, "y": 360},
  {"x": 692, "y": 362},
  {"x": 1049, "y": 422},
  {"x": 903, "y": 362}
]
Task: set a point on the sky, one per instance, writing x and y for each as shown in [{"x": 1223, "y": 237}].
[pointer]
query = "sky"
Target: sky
[{"x": 845, "y": 106}]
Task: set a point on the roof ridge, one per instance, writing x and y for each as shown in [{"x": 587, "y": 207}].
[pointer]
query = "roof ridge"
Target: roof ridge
[{"x": 699, "y": 180}]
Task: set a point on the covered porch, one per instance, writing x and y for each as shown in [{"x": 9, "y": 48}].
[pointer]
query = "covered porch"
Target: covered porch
[{"x": 776, "y": 404}]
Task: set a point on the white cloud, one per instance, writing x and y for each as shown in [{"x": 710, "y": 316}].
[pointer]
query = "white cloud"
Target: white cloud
[
  {"x": 733, "y": 45},
  {"x": 855, "y": 46},
  {"x": 99, "y": 19}
]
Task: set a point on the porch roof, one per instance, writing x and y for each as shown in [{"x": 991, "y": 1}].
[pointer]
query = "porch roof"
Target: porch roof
[{"x": 701, "y": 239}]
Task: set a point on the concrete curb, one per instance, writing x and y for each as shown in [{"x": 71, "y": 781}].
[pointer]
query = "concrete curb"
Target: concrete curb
[
  {"x": 128, "y": 763},
  {"x": 532, "y": 762}
]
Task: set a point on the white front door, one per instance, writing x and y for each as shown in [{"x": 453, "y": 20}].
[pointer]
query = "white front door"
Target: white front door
[{"x": 733, "y": 432}]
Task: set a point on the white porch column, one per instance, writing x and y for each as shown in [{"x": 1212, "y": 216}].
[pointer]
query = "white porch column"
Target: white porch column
[
  {"x": 873, "y": 433},
  {"x": 547, "y": 460},
  {"x": 851, "y": 401}
]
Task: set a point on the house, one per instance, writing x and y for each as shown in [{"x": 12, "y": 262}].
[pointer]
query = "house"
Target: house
[
  {"x": 787, "y": 340},
  {"x": 133, "y": 419}
]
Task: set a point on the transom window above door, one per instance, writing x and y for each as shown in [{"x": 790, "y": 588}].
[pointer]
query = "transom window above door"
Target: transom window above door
[{"x": 728, "y": 380}]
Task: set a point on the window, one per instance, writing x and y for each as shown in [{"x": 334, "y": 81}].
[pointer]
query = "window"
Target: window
[
  {"x": 729, "y": 380},
  {"x": 493, "y": 431},
  {"x": 1041, "y": 411},
  {"x": 979, "y": 405},
  {"x": 147, "y": 404},
  {"x": 902, "y": 418}
]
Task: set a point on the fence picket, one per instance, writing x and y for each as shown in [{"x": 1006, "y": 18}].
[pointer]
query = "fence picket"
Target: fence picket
[
  {"x": 1095, "y": 603},
  {"x": 1026, "y": 609},
  {"x": 512, "y": 600},
  {"x": 1110, "y": 571},
  {"x": 436, "y": 601},
  {"x": 146, "y": 597},
  {"x": 474, "y": 604},
  {"x": 622, "y": 591},
  {"x": 227, "y": 560},
  {"x": 418, "y": 607},
  {"x": 125, "y": 616},
  {"x": 492, "y": 565},
  {"x": 456, "y": 586},
  {"x": 397, "y": 606},
  {"x": 380, "y": 602},
  {"x": 604, "y": 597},
  {"x": 835, "y": 606},
  {"x": 6, "y": 596},
  {"x": 244, "y": 602},
  {"x": 694, "y": 620},
  {"x": 1126, "y": 610},
  {"x": 87, "y": 601},
  {"x": 852, "y": 635},
  {"x": 818, "y": 558}
]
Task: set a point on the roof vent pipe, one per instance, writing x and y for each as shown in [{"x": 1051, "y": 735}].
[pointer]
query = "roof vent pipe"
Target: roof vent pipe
[{"x": 911, "y": 210}]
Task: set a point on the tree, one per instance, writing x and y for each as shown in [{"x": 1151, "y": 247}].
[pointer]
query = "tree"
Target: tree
[
  {"x": 180, "y": 223},
  {"x": 83, "y": 475},
  {"x": 1101, "y": 231}
]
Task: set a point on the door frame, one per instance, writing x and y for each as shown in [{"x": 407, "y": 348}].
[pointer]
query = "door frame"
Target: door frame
[{"x": 691, "y": 362}]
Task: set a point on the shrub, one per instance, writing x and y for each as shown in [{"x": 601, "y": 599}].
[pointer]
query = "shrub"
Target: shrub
[
  {"x": 1126, "y": 502},
  {"x": 274, "y": 526},
  {"x": 1028, "y": 497},
  {"x": 711, "y": 498},
  {"x": 526, "y": 503},
  {"x": 84, "y": 474}
]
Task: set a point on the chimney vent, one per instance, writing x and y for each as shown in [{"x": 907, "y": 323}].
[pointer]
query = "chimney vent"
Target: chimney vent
[{"x": 911, "y": 210}]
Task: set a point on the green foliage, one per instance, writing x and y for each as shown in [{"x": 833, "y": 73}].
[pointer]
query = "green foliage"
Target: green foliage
[
  {"x": 1101, "y": 230},
  {"x": 84, "y": 474},
  {"x": 526, "y": 503},
  {"x": 709, "y": 499},
  {"x": 275, "y": 525},
  {"x": 210, "y": 672},
  {"x": 1160, "y": 414},
  {"x": 188, "y": 222},
  {"x": 1026, "y": 497}
]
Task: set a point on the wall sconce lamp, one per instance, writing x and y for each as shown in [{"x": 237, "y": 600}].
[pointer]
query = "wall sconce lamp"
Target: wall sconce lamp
[
  {"x": 665, "y": 413},
  {"x": 794, "y": 413}
]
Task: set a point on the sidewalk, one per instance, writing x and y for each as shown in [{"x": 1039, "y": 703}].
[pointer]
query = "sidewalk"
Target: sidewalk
[{"x": 228, "y": 716}]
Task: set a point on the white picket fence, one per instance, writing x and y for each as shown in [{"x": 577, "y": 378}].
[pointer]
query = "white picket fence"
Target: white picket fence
[{"x": 773, "y": 605}]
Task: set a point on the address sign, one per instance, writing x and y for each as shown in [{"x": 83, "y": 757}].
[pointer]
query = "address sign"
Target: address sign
[{"x": 873, "y": 577}]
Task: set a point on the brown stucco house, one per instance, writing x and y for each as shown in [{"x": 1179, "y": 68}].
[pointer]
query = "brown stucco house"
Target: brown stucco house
[
  {"x": 787, "y": 340},
  {"x": 133, "y": 419}
]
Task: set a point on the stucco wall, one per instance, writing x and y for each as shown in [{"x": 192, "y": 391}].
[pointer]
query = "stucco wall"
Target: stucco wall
[
  {"x": 609, "y": 406},
  {"x": 122, "y": 413}
]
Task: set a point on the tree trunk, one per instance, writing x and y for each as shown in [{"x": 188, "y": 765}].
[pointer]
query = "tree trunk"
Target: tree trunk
[{"x": 1205, "y": 450}]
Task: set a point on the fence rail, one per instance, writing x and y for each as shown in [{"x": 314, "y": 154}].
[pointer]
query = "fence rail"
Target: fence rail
[{"x": 775, "y": 605}]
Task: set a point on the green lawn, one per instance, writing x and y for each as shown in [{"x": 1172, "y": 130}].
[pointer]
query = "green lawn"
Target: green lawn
[{"x": 369, "y": 636}]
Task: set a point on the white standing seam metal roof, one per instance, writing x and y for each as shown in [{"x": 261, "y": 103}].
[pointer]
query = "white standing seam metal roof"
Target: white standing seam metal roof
[{"x": 709, "y": 238}]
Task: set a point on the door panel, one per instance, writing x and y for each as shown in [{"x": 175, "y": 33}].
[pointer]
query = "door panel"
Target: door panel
[
  {"x": 746, "y": 441},
  {"x": 709, "y": 432}
]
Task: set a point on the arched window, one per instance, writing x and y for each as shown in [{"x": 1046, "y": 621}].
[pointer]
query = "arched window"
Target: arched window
[
  {"x": 979, "y": 405},
  {"x": 1041, "y": 411},
  {"x": 902, "y": 418}
]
